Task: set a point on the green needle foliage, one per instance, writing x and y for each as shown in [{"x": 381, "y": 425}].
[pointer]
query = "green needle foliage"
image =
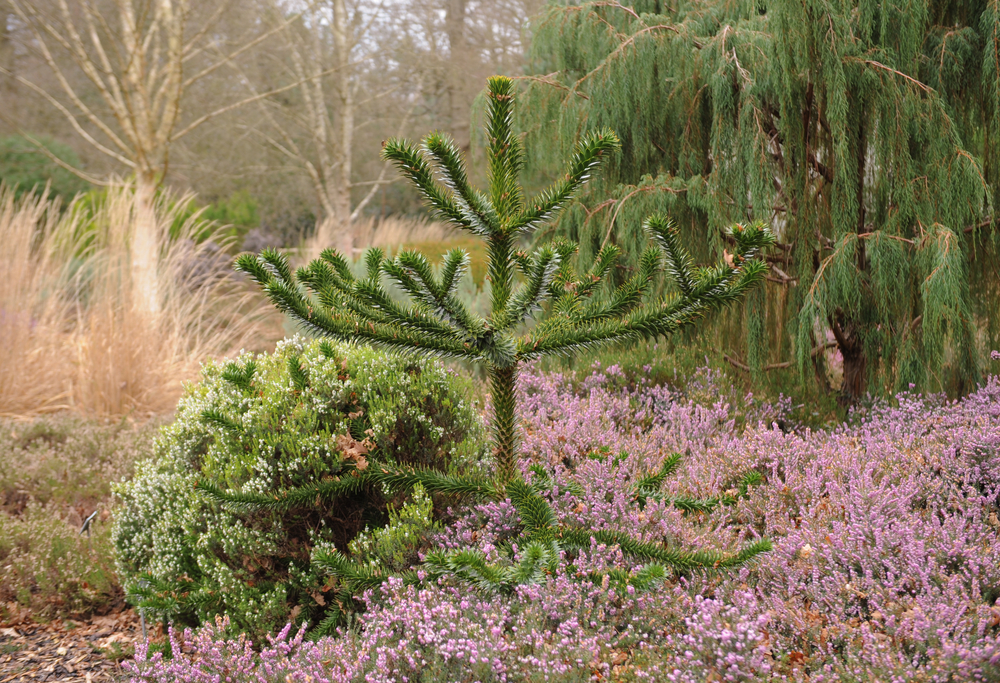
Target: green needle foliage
[
  {"x": 544, "y": 538},
  {"x": 541, "y": 543},
  {"x": 387, "y": 478},
  {"x": 583, "y": 310},
  {"x": 326, "y": 298},
  {"x": 865, "y": 133}
]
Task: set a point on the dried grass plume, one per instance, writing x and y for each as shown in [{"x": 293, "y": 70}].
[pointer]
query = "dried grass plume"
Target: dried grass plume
[{"x": 72, "y": 336}]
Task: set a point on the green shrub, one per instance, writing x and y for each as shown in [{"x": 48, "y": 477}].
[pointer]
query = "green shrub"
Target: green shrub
[
  {"x": 238, "y": 213},
  {"x": 238, "y": 209},
  {"x": 309, "y": 413}
]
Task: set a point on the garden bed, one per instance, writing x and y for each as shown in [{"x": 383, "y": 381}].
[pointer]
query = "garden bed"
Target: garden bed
[{"x": 885, "y": 565}]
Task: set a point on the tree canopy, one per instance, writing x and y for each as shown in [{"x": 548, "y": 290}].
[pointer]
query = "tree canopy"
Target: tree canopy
[{"x": 863, "y": 132}]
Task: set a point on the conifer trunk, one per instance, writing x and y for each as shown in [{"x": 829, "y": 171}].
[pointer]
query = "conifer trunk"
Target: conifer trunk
[
  {"x": 503, "y": 393},
  {"x": 852, "y": 349},
  {"x": 845, "y": 330}
]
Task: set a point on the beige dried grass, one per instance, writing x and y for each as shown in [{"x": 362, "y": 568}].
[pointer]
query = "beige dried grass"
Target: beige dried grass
[
  {"x": 393, "y": 232},
  {"x": 32, "y": 316},
  {"x": 77, "y": 338},
  {"x": 390, "y": 234}
]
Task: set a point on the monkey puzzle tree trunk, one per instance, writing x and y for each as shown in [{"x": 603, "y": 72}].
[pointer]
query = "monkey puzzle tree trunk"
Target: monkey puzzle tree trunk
[{"x": 503, "y": 394}]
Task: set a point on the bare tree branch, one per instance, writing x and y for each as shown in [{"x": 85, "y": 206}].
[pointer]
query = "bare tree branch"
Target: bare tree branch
[
  {"x": 67, "y": 88},
  {"x": 236, "y": 105},
  {"x": 70, "y": 117},
  {"x": 236, "y": 53}
]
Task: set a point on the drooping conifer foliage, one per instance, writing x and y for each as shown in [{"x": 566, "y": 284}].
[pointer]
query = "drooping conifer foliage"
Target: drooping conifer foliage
[
  {"x": 864, "y": 133},
  {"x": 327, "y": 299}
]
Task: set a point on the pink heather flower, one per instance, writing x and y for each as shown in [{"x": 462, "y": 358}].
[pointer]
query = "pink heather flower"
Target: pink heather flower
[{"x": 885, "y": 564}]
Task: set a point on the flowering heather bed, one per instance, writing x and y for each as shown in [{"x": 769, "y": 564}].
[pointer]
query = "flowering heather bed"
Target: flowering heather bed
[{"x": 886, "y": 561}]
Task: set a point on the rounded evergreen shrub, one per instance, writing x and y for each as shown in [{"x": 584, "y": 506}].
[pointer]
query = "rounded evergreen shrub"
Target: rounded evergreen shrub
[{"x": 310, "y": 412}]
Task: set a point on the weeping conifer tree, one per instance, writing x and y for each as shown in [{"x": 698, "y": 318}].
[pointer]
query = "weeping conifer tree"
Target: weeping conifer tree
[{"x": 866, "y": 134}]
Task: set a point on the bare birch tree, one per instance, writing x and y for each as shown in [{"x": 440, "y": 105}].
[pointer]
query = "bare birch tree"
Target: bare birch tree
[
  {"x": 7, "y": 94},
  {"x": 326, "y": 49},
  {"x": 138, "y": 58},
  {"x": 377, "y": 64},
  {"x": 465, "y": 42}
]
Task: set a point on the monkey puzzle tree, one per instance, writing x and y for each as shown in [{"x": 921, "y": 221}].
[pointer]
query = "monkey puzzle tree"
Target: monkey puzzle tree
[
  {"x": 327, "y": 299},
  {"x": 437, "y": 322},
  {"x": 864, "y": 133}
]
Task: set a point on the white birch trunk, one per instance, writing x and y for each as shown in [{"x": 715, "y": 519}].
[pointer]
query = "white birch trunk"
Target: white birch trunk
[
  {"x": 144, "y": 247},
  {"x": 335, "y": 227}
]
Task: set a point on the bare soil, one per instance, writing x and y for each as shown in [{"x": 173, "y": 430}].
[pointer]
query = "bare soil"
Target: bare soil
[{"x": 87, "y": 652}]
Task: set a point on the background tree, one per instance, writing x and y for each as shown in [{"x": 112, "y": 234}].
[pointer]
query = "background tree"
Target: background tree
[
  {"x": 137, "y": 59},
  {"x": 400, "y": 76},
  {"x": 862, "y": 132},
  {"x": 327, "y": 49},
  {"x": 366, "y": 68},
  {"x": 482, "y": 37}
]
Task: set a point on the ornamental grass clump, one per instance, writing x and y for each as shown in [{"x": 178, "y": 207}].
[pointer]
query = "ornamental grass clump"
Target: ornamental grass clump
[{"x": 581, "y": 311}]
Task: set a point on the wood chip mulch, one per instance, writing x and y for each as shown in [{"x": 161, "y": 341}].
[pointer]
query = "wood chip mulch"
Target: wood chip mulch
[{"x": 83, "y": 653}]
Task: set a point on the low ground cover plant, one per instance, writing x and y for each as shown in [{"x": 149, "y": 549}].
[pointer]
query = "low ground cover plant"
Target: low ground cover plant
[
  {"x": 55, "y": 472},
  {"x": 886, "y": 560}
]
